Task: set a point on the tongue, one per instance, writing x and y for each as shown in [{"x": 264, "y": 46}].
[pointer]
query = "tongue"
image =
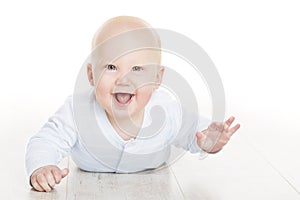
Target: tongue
[{"x": 123, "y": 97}]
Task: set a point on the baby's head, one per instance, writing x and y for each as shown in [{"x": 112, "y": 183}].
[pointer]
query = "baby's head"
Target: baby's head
[{"x": 124, "y": 72}]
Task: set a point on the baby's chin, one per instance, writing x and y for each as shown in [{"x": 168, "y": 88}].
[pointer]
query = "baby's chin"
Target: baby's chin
[
  {"x": 119, "y": 114},
  {"x": 127, "y": 112}
]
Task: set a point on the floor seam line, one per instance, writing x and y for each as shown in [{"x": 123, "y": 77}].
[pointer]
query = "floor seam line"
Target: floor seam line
[
  {"x": 273, "y": 167},
  {"x": 181, "y": 191}
]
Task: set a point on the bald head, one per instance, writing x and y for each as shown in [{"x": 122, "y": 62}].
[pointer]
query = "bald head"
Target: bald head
[
  {"x": 124, "y": 34},
  {"x": 122, "y": 24}
]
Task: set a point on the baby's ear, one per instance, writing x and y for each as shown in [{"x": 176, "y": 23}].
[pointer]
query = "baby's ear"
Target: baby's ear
[
  {"x": 159, "y": 76},
  {"x": 89, "y": 69}
]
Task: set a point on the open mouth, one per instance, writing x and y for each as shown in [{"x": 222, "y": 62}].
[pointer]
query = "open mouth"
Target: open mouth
[{"x": 123, "y": 98}]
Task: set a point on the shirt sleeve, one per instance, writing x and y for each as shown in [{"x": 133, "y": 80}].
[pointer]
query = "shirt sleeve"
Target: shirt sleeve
[
  {"x": 53, "y": 141},
  {"x": 191, "y": 123}
]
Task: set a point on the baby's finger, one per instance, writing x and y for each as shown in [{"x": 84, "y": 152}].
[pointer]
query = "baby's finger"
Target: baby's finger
[
  {"x": 57, "y": 175},
  {"x": 42, "y": 181},
  {"x": 199, "y": 135},
  {"x": 228, "y": 122},
  {"x": 64, "y": 172},
  {"x": 50, "y": 179},
  {"x": 35, "y": 184},
  {"x": 233, "y": 130}
]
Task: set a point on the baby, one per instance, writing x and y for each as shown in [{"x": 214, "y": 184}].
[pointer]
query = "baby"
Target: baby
[{"x": 124, "y": 89}]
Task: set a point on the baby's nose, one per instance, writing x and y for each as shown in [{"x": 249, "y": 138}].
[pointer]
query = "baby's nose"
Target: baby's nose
[{"x": 123, "y": 79}]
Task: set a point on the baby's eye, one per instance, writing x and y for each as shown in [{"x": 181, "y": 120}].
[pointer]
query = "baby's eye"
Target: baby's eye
[
  {"x": 111, "y": 67},
  {"x": 137, "y": 68}
]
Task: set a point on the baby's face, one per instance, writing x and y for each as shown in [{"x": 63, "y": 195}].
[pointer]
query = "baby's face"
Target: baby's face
[{"x": 124, "y": 86}]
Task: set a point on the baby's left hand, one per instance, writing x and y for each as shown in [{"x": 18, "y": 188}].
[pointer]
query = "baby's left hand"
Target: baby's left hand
[{"x": 216, "y": 135}]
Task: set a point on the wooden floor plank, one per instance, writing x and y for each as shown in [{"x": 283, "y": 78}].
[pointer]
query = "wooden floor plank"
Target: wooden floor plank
[
  {"x": 237, "y": 172},
  {"x": 156, "y": 184}
]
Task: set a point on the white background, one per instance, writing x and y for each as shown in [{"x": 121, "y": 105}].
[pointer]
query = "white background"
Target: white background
[{"x": 254, "y": 44}]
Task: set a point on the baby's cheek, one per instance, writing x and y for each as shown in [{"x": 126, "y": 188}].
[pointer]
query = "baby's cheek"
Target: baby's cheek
[
  {"x": 102, "y": 95},
  {"x": 143, "y": 96}
]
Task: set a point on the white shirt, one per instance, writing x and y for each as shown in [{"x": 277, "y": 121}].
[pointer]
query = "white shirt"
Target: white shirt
[{"x": 60, "y": 137}]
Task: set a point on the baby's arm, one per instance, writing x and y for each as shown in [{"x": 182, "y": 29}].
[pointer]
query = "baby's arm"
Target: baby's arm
[
  {"x": 190, "y": 124},
  {"x": 49, "y": 146}
]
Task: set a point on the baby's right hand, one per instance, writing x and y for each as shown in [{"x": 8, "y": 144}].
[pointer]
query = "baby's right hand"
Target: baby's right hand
[{"x": 44, "y": 179}]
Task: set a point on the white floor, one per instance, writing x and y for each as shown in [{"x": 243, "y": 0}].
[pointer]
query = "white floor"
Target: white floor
[{"x": 260, "y": 162}]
